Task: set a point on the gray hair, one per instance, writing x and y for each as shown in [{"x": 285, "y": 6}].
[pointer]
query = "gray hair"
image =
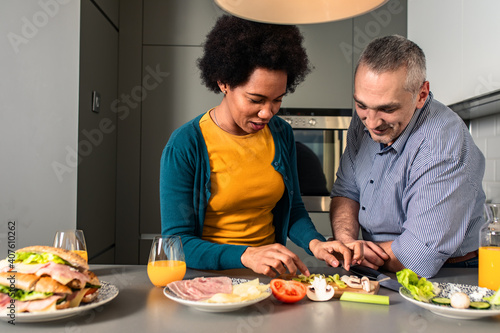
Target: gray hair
[{"x": 390, "y": 53}]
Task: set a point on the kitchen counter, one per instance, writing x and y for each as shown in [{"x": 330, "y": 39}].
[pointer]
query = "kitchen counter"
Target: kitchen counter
[{"x": 141, "y": 307}]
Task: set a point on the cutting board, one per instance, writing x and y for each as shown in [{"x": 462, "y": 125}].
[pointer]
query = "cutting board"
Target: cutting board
[{"x": 339, "y": 291}]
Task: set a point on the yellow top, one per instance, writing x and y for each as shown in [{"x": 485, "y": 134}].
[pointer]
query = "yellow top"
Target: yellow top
[{"x": 245, "y": 186}]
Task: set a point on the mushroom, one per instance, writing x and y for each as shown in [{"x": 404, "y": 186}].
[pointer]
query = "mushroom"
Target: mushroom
[
  {"x": 352, "y": 281},
  {"x": 460, "y": 300},
  {"x": 319, "y": 290},
  {"x": 365, "y": 283}
]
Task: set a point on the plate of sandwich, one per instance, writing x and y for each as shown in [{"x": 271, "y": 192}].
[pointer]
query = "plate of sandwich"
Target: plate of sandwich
[{"x": 44, "y": 283}]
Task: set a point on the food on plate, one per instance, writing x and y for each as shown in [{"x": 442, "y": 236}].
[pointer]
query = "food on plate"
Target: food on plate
[
  {"x": 459, "y": 300},
  {"x": 421, "y": 289},
  {"x": 494, "y": 299},
  {"x": 319, "y": 290},
  {"x": 44, "y": 278},
  {"x": 480, "y": 305},
  {"x": 288, "y": 291},
  {"x": 440, "y": 293},
  {"x": 201, "y": 288},
  {"x": 441, "y": 300},
  {"x": 242, "y": 292},
  {"x": 219, "y": 289},
  {"x": 364, "y": 298}
]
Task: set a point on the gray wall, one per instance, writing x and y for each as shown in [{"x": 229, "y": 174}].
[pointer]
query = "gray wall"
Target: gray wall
[
  {"x": 54, "y": 176},
  {"x": 38, "y": 119}
]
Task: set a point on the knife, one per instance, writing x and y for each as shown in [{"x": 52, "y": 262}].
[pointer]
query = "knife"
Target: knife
[{"x": 370, "y": 273}]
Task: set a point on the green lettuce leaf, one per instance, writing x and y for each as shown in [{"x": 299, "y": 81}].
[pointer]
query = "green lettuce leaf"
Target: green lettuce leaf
[
  {"x": 38, "y": 258},
  {"x": 22, "y": 295},
  {"x": 421, "y": 289},
  {"x": 494, "y": 299}
]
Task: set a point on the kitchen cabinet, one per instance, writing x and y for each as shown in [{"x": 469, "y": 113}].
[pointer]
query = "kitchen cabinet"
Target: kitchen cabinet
[
  {"x": 461, "y": 45},
  {"x": 174, "y": 22},
  {"x": 97, "y": 145},
  {"x": 329, "y": 85}
]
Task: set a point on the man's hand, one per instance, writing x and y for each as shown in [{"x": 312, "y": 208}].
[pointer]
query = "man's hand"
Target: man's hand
[
  {"x": 272, "y": 259},
  {"x": 375, "y": 256},
  {"x": 332, "y": 251}
]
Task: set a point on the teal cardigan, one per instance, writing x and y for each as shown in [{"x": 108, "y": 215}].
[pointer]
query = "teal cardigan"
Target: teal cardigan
[{"x": 185, "y": 191}]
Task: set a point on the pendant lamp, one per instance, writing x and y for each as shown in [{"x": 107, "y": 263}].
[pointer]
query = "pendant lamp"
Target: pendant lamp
[{"x": 298, "y": 11}]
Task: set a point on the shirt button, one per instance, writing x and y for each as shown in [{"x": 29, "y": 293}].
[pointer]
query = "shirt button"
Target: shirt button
[
  {"x": 286, "y": 178},
  {"x": 276, "y": 164},
  {"x": 291, "y": 192},
  {"x": 371, "y": 181},
  {"x": 363, "y": 208}
]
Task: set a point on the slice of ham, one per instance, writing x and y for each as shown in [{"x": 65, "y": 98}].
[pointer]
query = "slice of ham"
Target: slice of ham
[
  {"x": 4, "y": 266},
  {"x": 63, "y": 273},
  {"x": 59, "y": 272},
  {"x": 22, "y": 268},
  {"x": 4, "y": 300},
  {"x": 201, "y": 288},
  {"x": 41, "y": 305}
]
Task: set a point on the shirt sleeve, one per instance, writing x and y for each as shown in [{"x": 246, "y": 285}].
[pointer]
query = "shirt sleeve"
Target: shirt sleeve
[
  {"x": 439, "y": 199},
  {"x": 181, "y": 211},
  {"x": 345, "y": 183}
]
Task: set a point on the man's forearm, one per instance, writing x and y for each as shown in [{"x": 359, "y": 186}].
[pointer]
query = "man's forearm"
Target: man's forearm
[
  {"x": 393, "y": 264},
  {"x": 344, "y": 219}
]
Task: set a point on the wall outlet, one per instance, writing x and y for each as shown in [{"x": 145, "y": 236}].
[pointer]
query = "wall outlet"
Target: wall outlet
[{"x": 96, "y": 101}]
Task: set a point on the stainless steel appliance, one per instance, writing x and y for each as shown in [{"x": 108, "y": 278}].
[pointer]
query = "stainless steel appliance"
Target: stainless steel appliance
[{"x": 320, "y": 136}]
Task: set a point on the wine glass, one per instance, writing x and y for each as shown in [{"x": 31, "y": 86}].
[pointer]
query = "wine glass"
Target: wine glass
[
  {"x": 72, "y": 240},
  {"x": 166, "y": 260}
]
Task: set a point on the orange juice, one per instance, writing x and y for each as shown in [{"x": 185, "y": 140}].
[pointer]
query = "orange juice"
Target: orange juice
[
  {"x": 162, "y": 272},
  {"x": 82, "y": 254},
  {"x": 489, "y": 267}
]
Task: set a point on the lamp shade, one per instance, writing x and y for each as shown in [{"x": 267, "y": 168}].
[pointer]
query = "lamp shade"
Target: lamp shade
[{"x": 298, "y": 11}]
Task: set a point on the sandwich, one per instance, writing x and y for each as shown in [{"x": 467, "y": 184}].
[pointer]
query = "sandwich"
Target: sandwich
[{"x": 43, "y": 278}]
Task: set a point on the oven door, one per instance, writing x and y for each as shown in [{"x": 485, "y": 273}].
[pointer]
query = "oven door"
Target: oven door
[{"x": 318, "y": 158}]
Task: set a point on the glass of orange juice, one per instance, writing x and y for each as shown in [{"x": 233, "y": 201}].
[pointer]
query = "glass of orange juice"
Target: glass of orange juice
[
  {"x": 489, "y": 249},
  {"x": 72, "y": 240},
  {"x": 166, "y": 260}
]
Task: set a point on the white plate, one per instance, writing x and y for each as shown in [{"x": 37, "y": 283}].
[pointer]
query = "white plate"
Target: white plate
[
  {"x": 216, "y": 307},
  {"x": 107, "y": 292},
  {"x": 447, "y": 289}
]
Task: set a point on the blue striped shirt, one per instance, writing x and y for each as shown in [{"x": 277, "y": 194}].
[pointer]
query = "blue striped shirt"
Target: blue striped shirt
[{"x": 424, "y": 192}]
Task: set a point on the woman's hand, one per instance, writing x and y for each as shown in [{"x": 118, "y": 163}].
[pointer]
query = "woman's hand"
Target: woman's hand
[
  {"x": 272, "y": 259},
  {"x": 351, "y": 253}
]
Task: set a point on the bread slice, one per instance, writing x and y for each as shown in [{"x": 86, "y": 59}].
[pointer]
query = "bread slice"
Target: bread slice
[
  {"x": 48, "y": 285},
  {"x": 72, "y": 258},
  {"x": 21, "y": 281}
]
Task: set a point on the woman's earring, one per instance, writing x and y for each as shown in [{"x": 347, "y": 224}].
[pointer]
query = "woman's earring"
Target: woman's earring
[{"x": 225, "y": 92}]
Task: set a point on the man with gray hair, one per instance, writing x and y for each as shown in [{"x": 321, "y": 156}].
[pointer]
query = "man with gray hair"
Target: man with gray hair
[{"x": 411, "y": 175}]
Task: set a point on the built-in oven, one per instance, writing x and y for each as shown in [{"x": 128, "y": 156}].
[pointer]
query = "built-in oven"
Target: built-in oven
[{"x": 320, "y": 137}]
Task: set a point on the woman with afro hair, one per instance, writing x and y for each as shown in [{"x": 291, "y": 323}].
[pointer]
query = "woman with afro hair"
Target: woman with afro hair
[{"x": 228, "y": 178}]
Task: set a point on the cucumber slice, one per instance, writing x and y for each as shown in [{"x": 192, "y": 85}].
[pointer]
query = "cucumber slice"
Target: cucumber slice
[
  {"x": 479, "y": 305},
  {"x": 441, "y": 300}
]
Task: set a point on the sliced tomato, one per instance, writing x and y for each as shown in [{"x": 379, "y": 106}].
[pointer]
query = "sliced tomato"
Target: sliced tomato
[
  {"x": 288, "y": 291},
  {"x": 90, "y": 291}
]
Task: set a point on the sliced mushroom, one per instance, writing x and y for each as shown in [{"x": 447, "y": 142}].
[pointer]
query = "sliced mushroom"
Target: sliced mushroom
[
  {"x": 319, "y": 290},
  {"x": 344, "y": 278},
  {"x": 365, "y": 283},
  {"x": 354, "y": 282}
]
